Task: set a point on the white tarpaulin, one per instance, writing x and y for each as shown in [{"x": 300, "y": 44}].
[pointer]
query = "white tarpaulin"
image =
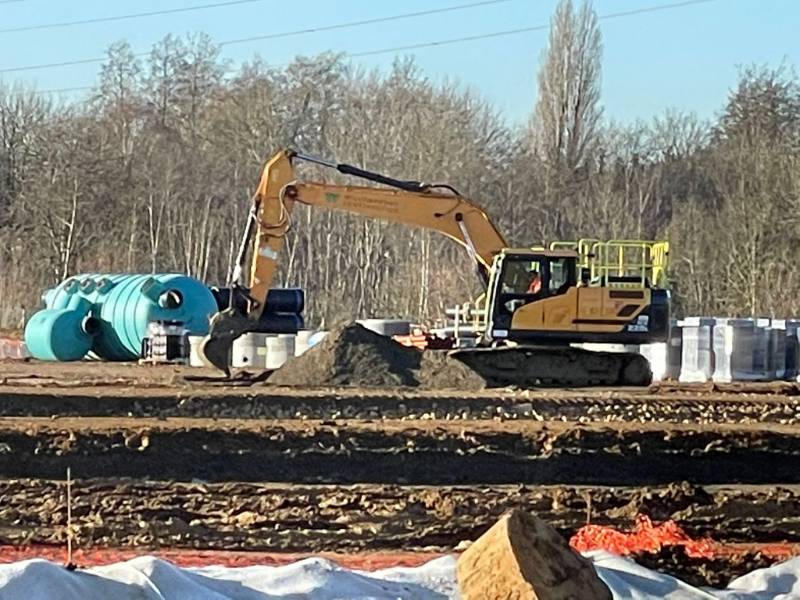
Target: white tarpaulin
[{"x": 148, "y": 578}]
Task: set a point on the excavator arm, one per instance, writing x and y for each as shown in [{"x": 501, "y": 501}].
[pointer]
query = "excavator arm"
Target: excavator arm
[{"x": 436, "y": 207}]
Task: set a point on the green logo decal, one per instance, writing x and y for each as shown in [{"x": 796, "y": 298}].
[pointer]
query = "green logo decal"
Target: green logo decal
[{"x": 331, "y": 197}]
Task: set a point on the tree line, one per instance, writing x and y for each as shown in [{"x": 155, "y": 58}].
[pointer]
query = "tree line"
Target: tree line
[{"x": 153, "y": 172}]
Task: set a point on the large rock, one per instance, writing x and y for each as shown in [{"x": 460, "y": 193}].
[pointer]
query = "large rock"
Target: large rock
[{"x": 522, "y": 557}]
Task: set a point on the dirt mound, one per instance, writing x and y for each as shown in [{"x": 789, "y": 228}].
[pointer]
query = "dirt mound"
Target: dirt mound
[
  {"x": 355, "y": 356},
  {"x": 438, "y": 370}
]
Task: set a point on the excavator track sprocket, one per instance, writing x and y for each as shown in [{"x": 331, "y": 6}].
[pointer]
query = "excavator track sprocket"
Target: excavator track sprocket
[{"x": 555, "y": 366}]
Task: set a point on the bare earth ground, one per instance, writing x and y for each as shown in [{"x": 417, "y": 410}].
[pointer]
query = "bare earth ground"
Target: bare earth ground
[{"x": 171, "y": 457}]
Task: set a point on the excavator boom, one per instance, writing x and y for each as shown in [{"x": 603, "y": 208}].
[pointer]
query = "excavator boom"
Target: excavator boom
[{"x": 437, "y": 207}]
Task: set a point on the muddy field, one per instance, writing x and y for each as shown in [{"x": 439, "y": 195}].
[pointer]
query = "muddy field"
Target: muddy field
[
  {"x": 102, "y": 389},
  {"x": 302, "y": 518},
  {"x": 362, "y": 520},
  {"x": 176, "y": 458},
  {"x": 425, "y": 452}
]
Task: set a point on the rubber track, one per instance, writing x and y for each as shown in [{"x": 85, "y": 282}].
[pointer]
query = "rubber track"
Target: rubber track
[{"x": 555, "y": 366}]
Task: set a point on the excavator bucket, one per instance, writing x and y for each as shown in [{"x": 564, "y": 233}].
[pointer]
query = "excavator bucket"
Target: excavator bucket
[{"x": 225, "y": 327}]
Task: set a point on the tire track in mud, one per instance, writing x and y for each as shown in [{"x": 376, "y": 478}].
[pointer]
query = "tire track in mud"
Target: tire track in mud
[
  {"x": 300, "y": 518},
  {"x": 400, "y": 452},
  {"x": 578, "y": 406}
]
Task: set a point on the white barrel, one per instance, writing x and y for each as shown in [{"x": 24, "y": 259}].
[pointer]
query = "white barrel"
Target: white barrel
[
  {"x": 194, "y": 351},
  {"x": 301, "y": 342},
  {"x": 290, "y": 342},
  {"x": 249, "y": 351},
  {"x": 279, "y": 349}
]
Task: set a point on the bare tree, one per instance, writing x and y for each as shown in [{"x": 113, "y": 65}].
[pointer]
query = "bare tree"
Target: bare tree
[
  {"x": 568, "y": 113},
  {"x": 156, "y": 173}
]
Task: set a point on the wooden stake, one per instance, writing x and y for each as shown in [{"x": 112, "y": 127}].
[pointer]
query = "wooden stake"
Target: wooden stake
[{"x": 69, "y": 517}]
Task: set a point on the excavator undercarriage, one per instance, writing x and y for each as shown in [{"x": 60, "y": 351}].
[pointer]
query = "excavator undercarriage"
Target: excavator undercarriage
[{"x": 555, "y": 366}]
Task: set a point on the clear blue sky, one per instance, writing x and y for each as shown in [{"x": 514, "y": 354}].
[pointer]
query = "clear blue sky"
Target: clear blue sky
[{"x": 684, "y": 58}]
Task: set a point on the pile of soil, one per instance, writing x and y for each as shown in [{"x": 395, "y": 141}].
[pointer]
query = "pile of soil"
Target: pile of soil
[{"x": 356, "y": 356}]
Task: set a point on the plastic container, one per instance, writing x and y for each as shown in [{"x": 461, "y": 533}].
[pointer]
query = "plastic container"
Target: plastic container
[
  {"x": 279, "y": 350},
  {"x": 740, "y": 351},
  {"x": 62, "y": 334},
  {"x": 777, "y": 349},
  {"x": 674, "y": 349},
  {"x": 697, "y": 352},
  {"x": 120, "y": 306},
  {"x": 302, "y": 341},
  {"x": 290, "y": 342},
  {"x": 195, "y": 358},
  {"x": 249, "y": 350},
  {"x": 792, "y": 349}
]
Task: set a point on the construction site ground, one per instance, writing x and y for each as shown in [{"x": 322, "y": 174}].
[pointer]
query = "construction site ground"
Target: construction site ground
[{"x": 178, "y": 460}]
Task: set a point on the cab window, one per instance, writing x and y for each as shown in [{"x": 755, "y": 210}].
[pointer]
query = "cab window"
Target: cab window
[
  {"x": 562, "y": 275},
  {"x": 519, "y": 275}
]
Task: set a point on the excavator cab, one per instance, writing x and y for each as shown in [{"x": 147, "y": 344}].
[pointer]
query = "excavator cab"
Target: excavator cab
[
  {"x": 523, "y": 278},
  {"x": 586, "y": 291}
]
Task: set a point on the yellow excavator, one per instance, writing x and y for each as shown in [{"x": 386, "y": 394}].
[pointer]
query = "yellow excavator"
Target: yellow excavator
[{"x": 538, "y": 302}]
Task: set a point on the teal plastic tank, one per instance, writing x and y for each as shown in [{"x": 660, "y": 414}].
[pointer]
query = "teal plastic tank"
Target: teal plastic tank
[{"x": 108, "y": 314}]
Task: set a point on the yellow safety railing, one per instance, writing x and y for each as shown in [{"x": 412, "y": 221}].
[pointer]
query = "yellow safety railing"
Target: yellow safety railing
[
  {"x": 624, "y": 263},
  {"x": 563, "y": 245},
  {"x": 629, "y": 263},
  {"x": 583, "y": 247}
]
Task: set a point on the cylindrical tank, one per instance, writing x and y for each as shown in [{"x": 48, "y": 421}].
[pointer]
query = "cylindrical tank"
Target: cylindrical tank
[
  {"x": 124, "y": 305},
  {"x": 279, "y": 350},
  {"x": 280, "y": 323},
  {"x": 301, "y": 341},
  {"x": 249, "y": 350},
  {"x": 290, "y": 342},
  {"x": 285, "y": 300},
  {"x": 62, "y": 334}
]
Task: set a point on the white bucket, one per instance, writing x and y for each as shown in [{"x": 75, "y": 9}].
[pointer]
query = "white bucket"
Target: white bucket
[
  {"x": 279, "y": 349},
  {"x": 194, "y": 351},
  {"x": 249, "y": 351},
  {"x": 301, "y": 341}
]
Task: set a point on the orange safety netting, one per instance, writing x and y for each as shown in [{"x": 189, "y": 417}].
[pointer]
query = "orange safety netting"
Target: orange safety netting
[
  {"x": 186, "y": 557},
  {"x": 645, "y": 537}
]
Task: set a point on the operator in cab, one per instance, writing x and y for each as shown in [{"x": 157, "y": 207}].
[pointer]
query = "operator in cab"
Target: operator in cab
[{"x": 535, "y": 285}]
